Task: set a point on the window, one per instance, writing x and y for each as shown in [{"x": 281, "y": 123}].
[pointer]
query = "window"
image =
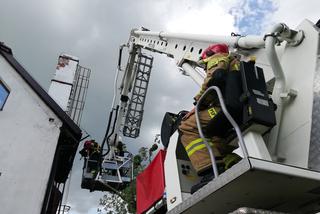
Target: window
[{"x": 4, "y": 93}]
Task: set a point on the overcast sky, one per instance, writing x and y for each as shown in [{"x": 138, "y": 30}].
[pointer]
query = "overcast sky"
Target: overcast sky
[{"x": 39, "y": 30}]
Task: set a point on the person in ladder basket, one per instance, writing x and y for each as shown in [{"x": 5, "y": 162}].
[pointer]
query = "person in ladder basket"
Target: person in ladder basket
[
  {"x": 91, "y": 149},
  {"x": 217, "y": 62},
  {"x": 84, "y": 152}
]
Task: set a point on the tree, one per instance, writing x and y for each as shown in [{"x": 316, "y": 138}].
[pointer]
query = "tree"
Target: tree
[
  {"x": 112, "y": 203},
  {"x": 153, "y": 148},
  {"x": 143, "y": 152}
]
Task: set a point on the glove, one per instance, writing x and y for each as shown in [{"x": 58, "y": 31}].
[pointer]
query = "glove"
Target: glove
[{"x": 189, "y": 114}]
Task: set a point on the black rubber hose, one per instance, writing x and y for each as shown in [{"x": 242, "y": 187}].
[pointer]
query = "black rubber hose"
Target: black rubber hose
[
  {"x": 107, "y": 137},
  {"x": 84, "y": 138},
  {"x": 104, "y": 140},
  {"x": 120, "y": 56},
  {"x": 114, "y": 123},
  {"x": 107, "y": 131}
]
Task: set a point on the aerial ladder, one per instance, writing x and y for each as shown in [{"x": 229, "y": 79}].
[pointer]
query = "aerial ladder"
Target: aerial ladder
[{"x": 278, "y": 139}]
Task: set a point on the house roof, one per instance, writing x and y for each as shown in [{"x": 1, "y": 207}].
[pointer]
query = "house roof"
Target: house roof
[{"x": 6, "y": 52}]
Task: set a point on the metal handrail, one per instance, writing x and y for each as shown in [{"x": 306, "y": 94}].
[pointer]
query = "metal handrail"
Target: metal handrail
[
  {"x": 63, "y": 209},
  {"x": 125, "y": 160},
  {"x": 231, "y": 120}
]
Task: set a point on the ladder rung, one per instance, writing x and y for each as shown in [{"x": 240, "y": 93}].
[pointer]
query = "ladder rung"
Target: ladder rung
[{"x": 135, "y": 110}]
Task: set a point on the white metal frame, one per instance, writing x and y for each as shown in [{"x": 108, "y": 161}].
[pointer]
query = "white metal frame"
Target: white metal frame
[
  {"x": 173, "y": 186},
  {"x": 119, "y": 162},
  {"x": 186, "y": 50}
]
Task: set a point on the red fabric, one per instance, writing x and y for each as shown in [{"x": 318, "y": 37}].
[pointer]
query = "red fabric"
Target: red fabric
[{"x": 150, "y": 183}]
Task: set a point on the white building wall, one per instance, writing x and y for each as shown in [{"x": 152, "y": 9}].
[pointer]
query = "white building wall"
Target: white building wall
[{"x": 28, "y": 141}]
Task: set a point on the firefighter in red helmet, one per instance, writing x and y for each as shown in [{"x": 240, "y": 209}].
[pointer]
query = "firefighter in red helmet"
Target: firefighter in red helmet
[
  {"x": 217, "y": 61},
  {"x": 212, "y": 49}
]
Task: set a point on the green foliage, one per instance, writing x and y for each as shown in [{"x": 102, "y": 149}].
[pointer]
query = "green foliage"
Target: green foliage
[
  {"x": 153, "y": 148},
  {"x": 112, "y": 203},
  {"x": 137, "y": 160},
  {"x": 143, "y": 152},
  {"x": 129, "y": 196}
]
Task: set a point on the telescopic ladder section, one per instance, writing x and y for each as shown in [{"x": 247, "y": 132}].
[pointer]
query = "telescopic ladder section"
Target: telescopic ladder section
[{"x": 134, "y": 115}]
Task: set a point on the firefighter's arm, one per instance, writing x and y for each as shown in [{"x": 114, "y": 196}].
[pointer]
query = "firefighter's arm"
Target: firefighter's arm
[{"x": 204, "y": 87}]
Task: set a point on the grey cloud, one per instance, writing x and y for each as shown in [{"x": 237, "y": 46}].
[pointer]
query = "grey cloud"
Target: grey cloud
[{"x": 38, "y": 31}]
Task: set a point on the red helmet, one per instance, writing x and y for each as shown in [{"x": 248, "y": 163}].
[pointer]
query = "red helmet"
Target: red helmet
[
  {"x": 213, "y": 49},
  {"x": 87, "y": 144}
]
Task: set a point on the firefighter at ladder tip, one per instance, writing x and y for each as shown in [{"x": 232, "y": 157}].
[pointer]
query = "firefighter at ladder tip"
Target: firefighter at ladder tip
[
  {"x": 91, "y": 150},
  {"x": 218, "y": 63}
]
